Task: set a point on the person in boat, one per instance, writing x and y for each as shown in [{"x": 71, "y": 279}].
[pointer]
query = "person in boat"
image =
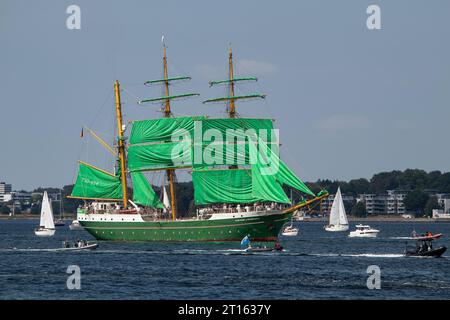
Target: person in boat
[
  {"x": 278, "y": 247},
  {"x": 413, "y": 234}
]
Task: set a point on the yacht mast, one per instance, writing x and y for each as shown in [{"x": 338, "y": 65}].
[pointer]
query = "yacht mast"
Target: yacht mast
[{"x": 121, "y": 144}]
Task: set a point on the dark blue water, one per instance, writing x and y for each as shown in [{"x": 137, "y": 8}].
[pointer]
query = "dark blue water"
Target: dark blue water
[{"x": 315, "y": 265}]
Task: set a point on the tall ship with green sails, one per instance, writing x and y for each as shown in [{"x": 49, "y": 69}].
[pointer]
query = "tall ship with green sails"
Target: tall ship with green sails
[{"x": 237, "y": 175}]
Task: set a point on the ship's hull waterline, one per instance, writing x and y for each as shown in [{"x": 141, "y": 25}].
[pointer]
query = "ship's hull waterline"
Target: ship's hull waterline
[{"x": 260, "y": 228}]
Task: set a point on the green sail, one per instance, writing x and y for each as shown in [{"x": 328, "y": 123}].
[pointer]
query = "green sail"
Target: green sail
[
  {"x": 143, "y": 193},
  {"x": 159, "y": 156},
  {"x": 223, "y": 186},
  {"x": 225, "y": 140},
  {"x": 160, "y": 130},
  {"x": 284, "y": 175},
  {"x": 94, "y": 183},
  {"x": 264, "y": 186}
]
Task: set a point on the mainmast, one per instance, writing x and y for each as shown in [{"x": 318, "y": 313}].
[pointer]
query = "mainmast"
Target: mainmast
[
  {"x": 231, "y": 99},
  {"x": 230, "y": 67},
  {"x": 121, "y": 144},
  {"x": 167, "y": 114}
]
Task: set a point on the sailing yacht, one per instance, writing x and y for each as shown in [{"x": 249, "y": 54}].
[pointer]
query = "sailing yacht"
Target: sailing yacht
[
  {"x": 338, "y": 217},
  {"x": 46, "y": 225}
]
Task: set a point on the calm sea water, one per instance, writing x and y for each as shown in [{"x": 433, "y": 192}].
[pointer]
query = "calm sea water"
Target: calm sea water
[{"x": 315, "y": 265}]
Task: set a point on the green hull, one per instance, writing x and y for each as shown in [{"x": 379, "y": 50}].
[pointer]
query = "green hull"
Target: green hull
[{"x": 261, "y": 228}]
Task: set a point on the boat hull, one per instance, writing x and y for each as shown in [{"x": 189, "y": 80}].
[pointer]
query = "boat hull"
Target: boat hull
[
  {"x": 363, "y": 235},
  {"x": 337, "y": 228},
  {"x": 434, "y": 253},
  {"x": 42, "y": 232},
  {"x": 260, "y": 228}
]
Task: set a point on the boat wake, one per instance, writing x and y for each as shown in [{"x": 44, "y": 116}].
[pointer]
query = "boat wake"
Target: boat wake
[{"x": 367, "y": 255}]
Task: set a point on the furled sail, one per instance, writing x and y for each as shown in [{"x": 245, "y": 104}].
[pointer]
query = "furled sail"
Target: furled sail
[
  {"x": 143, "y": 193},
  {"x": 94, "y": 183}
]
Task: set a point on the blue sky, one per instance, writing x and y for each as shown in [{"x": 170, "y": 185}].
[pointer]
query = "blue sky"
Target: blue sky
[{"x": 349, "y": 102}]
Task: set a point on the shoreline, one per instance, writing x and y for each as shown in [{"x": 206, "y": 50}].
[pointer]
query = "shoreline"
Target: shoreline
[
  {"x": 30, "y": 217},
  {"x": 324, "y": 219},
  {"x": 377, "y": 219}
]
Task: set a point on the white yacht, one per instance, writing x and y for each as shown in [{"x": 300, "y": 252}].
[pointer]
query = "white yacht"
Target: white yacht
[
  {"x": 46, "y": 225},
  {"x": 289, "y": 230},
  {"x": 364, "y": 231},
  {"x": 75, "y": 225},
  {"x": 338, "y": 217}
]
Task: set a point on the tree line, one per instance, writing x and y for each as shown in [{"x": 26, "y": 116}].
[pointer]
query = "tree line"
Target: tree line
[{"x": 418, "y": 184}]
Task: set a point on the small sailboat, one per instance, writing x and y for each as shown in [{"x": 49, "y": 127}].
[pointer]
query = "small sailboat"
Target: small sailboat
[
  {"x": 289, "y": 230},
  {"x": 338, "y": 217},
  {"x": 46, "y": 225}
]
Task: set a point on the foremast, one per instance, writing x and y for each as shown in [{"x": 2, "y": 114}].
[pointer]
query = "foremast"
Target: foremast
[{"x": 121, "y": 144}]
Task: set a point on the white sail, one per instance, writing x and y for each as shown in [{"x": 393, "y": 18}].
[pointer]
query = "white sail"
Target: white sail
[
  {"x": 166, "y": 201},
  {"x": 46, "y": 213},
  {"x": 337, "y": 214}
]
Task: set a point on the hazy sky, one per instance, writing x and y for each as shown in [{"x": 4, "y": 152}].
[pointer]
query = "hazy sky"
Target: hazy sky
[{"x": 349, "y": 102}]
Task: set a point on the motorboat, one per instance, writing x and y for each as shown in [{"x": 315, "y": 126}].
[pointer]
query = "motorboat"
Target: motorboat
[
  {"x": 75, "y": 225},
  {"x": 77, "y": 246},
  {"x": 424, "y": 246},
  {"x": 264, "y": 249},
  {"x": 289, "y": 230},
  {"x": 60, "y": 223},
  {"x": 338, "y": 217},
  {"x": 364, "y": 231},
  {"x": 46, "y": 225},
  {"x": 246, "y": 245}
]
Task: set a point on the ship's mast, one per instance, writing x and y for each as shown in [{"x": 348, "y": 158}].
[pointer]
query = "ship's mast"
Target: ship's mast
[
  {"x": 167, "y": 114},
  {"x": 231, "y": 81},
  {"x": 121, "y": 144},
  {"x": 232, "y": 110}
]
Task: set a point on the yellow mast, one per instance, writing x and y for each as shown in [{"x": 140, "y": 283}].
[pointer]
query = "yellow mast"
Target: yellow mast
[
  {"x": 121, "y": 144},
  {"x": 167, "y": 114},
  {"x": 230, "y": 63}
]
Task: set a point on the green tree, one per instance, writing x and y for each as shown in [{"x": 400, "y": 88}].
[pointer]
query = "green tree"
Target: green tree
[
  {"x": 4, "y": 209},
  {"x": 415, "y": 201},
  {"x": 359, "y": 210},
  {"x": 431, "y": 204}
]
